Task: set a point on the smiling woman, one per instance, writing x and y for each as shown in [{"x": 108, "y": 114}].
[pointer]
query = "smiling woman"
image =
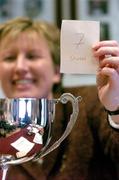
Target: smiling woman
[
  {"x": 24, "y": 58},
  {"x": 29, "y": 62}
]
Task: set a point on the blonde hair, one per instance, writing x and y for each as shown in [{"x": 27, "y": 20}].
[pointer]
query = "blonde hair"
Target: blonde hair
[{"x": 50, "y": 32}]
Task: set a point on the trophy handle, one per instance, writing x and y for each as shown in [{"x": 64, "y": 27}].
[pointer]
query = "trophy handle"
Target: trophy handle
[{"x": 65, "y": 97}]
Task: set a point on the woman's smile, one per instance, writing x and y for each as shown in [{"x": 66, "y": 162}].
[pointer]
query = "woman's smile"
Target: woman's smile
[{"x": 23, "y": 83}]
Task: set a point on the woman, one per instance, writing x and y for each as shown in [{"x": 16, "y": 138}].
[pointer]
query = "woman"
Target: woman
[
  {"x": 29, "y": 61},
  {"x": 34, "y": 72}
]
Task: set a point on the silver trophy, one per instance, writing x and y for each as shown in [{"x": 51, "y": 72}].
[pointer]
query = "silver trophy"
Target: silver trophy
[{"x": 26, "y": 128}]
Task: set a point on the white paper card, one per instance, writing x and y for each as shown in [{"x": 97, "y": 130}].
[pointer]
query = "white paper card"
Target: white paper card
[
  {"x": 23, "y": 145},
  {"x": 77, "y": 39},
  {"x": 38, "y": 138}
]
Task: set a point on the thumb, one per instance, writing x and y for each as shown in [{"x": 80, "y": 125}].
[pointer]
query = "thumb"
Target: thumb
[{"x": 112, "y": 75}]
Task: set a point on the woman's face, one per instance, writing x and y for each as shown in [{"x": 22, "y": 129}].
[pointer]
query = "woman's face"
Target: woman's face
[{"x": 26, "y": 67}]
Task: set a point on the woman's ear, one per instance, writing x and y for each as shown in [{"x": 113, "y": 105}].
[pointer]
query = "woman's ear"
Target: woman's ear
[{"x": 57, "y": 74}]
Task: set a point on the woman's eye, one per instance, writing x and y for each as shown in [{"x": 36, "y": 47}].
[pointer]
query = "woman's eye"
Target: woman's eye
[
  {"x": 33, "y": 56},
  {"x": 9, "y": 58},
  {"x": 30, "y": 56}
]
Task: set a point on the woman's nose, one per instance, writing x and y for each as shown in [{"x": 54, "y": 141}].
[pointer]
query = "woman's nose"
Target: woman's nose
[{"x": 21, "y": 64}]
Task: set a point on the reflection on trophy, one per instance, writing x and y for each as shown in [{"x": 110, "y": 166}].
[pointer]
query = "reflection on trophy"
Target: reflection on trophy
[{"x": 26, "y": 128}]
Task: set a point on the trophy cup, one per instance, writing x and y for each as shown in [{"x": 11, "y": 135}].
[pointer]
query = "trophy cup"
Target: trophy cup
[{"x": 26, "y": 128}]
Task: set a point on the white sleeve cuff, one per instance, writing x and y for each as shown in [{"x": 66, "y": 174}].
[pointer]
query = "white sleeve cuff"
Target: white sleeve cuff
[{"x": 112, "y": 123}]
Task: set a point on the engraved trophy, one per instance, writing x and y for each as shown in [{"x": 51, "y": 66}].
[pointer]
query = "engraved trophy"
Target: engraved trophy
[{"x": 26, "y": 128}]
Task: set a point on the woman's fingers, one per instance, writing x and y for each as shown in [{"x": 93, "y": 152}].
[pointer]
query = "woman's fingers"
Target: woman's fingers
[
  {"x": 102, "y": 51},
  {"x": 105, "y": 49},
  {"x": 110, "y": 43},
  {"x": 107, "y": 74},
  {"x": 112, "y": 62}
]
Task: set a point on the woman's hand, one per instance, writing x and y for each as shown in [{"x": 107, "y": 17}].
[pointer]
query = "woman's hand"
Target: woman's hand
[{"x": 107, "y": 52}]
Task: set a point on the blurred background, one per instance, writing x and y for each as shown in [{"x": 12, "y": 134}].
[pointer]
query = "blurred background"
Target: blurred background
[{"x": 105, "y": 11}]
